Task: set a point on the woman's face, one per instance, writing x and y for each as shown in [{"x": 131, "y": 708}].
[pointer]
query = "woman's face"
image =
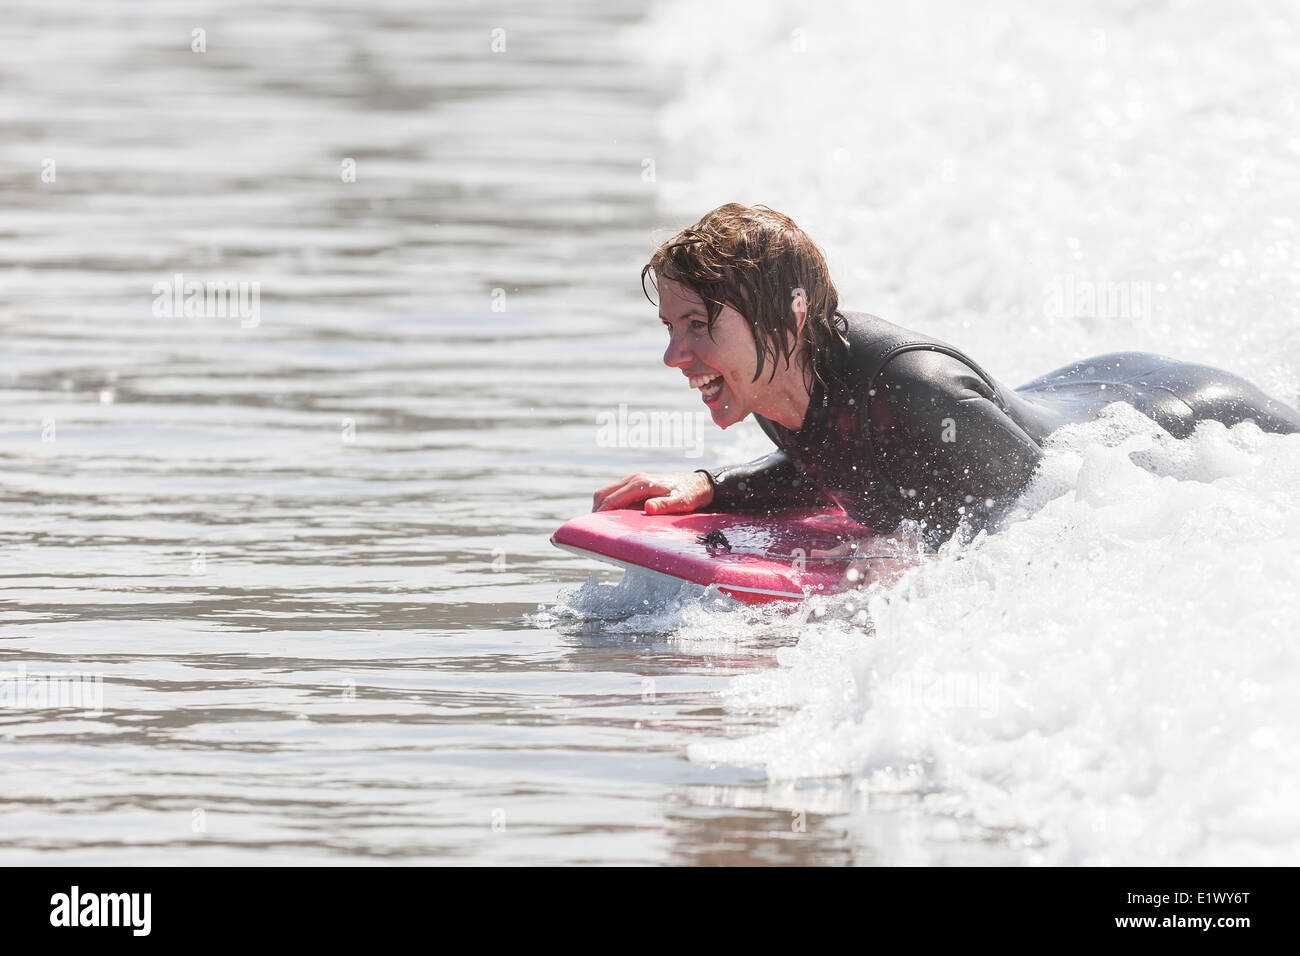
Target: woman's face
[{"x": 721, "y": 367}]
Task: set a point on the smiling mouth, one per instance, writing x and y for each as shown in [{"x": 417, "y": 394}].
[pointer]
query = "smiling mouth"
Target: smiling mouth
[{"x": 709, "y": 384}]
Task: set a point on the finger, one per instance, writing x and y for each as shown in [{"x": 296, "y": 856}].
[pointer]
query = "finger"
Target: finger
[
  {"x": 599, "y": 497},
  {"x": 844, "y": 549},
  {"x": 631, "y": 494},
  {"x": 673, "y": 503}
]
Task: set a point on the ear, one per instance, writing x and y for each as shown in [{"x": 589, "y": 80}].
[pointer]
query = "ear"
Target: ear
[{"x": 799, "y": 303}]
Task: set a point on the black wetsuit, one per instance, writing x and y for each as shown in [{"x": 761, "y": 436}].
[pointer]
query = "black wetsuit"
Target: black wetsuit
[{"x": 910, "y": 427}]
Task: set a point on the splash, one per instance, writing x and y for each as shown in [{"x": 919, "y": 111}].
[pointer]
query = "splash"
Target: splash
[{"x": 1113, "y": 676}]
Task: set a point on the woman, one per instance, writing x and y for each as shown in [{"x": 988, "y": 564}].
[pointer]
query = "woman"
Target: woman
[{"x": 885, "y": 423}]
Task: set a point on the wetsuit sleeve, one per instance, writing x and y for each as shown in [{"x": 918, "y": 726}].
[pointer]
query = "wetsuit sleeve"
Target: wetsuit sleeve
[
  {"x": 941, "y": 435},
  {"x": 772, "y": 482}
]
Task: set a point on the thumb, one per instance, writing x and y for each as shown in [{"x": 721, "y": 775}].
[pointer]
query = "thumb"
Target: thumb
[{"x": 671, "y": 504}]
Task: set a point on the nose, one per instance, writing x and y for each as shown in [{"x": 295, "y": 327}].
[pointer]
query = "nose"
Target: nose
[{"x": 677, "y": 355}]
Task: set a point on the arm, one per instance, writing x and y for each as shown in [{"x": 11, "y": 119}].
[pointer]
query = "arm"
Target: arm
[
  {"x": 771, "y": 483},
  {"x": 942, "y": 437},
  {"x": 775, "y": 482}
]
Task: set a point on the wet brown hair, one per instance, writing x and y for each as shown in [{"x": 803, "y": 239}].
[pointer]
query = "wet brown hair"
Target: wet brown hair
[{"x": 756, "y": 260}]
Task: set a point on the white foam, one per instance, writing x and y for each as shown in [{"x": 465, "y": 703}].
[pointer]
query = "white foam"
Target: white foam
[{"x": 1114, "y": 677}]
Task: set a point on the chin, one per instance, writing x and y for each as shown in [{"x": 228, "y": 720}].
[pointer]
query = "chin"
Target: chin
[{"x": 724, "y": 418}]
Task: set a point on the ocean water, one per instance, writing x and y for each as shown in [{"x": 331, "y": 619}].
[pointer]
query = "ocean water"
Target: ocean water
[{"x": 299, "y": 550}]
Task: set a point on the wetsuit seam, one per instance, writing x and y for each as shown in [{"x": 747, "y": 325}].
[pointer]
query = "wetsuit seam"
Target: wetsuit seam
[
  {"x": 951, "y": 352},
  {"x": 1191, "y": 412}
]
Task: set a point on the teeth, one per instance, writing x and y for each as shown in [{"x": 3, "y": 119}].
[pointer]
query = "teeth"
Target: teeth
[{"x": 703, "y": 381}]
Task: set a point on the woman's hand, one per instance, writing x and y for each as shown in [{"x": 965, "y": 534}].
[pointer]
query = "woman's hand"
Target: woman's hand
[
  {"x": 880, "y": 559},
  {"x": 662, "y": 494}
]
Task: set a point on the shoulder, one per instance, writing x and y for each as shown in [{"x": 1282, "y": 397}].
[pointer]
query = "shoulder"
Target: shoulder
[{"x": 926, "y": 374}]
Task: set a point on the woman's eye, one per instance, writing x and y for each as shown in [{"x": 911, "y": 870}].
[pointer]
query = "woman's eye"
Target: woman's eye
[{"x": 697, "y": 325}]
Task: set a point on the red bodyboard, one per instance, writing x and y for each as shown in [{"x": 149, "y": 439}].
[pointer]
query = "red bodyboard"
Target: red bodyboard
[{"x": 753, "y": 558}]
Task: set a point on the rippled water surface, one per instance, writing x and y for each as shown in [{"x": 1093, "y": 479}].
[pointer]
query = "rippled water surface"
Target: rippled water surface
[
  {"x": 304, "y": 547},
  {"x": 298, "y": 548}
]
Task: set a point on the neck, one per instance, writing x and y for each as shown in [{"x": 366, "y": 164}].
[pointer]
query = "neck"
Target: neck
[{"x": 787, "y": 398}]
